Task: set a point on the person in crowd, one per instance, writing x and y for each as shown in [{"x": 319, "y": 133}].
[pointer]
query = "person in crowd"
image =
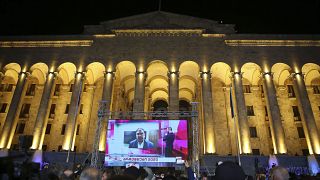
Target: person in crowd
[
  {"x": 229, "y": 170},
  {"x": 90, "y": 174},
  {"x": 107, "y": 174},
  {"x": 190, "y": 173},
  {"x": 169, "y": 138},
  {"x": 279, "y": 173},
  {"x": 140, "y": 141},
  {"x": 67, "y": 174}
]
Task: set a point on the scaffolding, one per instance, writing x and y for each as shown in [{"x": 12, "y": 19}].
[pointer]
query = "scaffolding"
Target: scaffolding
[{"x": 104, "y": 115}]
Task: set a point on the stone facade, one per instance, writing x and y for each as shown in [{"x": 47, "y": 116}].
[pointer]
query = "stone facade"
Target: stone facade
[{"x": 191, "y": 48}]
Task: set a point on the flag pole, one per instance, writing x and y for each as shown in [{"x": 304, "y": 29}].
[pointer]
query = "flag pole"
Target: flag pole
[{"x": 233, "y": 117}]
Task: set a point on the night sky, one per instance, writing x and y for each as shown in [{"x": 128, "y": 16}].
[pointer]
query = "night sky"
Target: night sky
[{"x": 34, "y": 17}]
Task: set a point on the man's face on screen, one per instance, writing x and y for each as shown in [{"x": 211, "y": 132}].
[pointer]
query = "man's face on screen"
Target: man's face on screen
[{"x": 140, "y": 135}]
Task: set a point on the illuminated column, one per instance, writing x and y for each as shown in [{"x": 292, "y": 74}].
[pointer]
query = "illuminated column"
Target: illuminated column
[
  {"x": 10, "y": 124},
  {"x": 308, "y": 122},
  {"x": 1, "y": 77},
  {"x": 138, "y": 102},
  {"x": 241, "y": 114},
  {"x": 42, "y": 117},
  {"x": 73, "y": 111},
  {"x": 278, "y": 138},
  {"x": 106, "y": 96},
  {"x": 209, "y": 134},
  {"x": 173, "y": 93}
]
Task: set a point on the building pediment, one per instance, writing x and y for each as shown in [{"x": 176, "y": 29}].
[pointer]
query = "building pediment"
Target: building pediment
[{"x": 159, "y": 20}]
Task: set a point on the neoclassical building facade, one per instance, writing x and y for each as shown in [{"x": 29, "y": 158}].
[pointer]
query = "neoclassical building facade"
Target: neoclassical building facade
[{"x": 51, "y": 86}]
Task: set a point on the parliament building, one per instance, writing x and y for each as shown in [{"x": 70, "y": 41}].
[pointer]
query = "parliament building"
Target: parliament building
[{"x": 51, "y": 86}]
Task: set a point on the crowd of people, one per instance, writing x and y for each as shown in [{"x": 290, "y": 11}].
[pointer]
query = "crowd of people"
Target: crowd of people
[{"x": 224, "y": 171}]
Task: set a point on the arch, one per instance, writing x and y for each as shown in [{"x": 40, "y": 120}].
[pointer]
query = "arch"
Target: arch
[
  {"x": 159, "y": 94},
  {"x": 158, "y": 89},
  {"x": 184, "y": 94},
  {"x": 125, "y": 68},
  {"x": 188, "y": 84},
  {"x": 67, "y": 72},
  {"x": 311, "y": 72},
  {"x": 94, "y": 71},
  {"x": 221, "y": 71},
  {"x": 12, "y": 70},
  {"x": 281, "y": 72},
  {"x": 251, "y": 72},
  {"x": 39, "y": 71},
  {"x": 157, "y": 68},
  {"x": 157, "y": 77},
  {"x": 160, "y": 101},
  {"x": 189, "y": 68},
  {"x": 157, "y": 84}
]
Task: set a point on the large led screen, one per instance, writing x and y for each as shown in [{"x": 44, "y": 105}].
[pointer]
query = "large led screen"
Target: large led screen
[{"x": 146, "y": 142}]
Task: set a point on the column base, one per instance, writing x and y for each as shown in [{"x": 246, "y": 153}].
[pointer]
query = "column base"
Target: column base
[{"x": 313, "y": 165}]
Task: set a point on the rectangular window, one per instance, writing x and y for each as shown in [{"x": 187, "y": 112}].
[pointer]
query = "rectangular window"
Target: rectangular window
[
  {"x": 44, "y": 147},
  {"x": 31, "y": 90},
  {"x": 246, "y": 89},
  {"x": 250, "y": 111},
  {"x": 316, "y": 89},
  {"x": 24, "y": 113},
  {"x": 78, "y": 129},
  {"x": 85, "y": 87},
  {"x": 253, "y": 132},
  {"x": 48, "y": 129},
  {"x": 71, "y": 87},
  {"x": 57, "y": 90},
  {"x": 59, "y": 148},
  {"x": 6, "y": 87},
  {"x": 63, "y": 129},
  {"x": 81, "y": 109},
  {"x": 291, "y": 93},
  {"x": 52, "y": 111},
  {"x": 269, "y": 131},
  {"x": 262, "y": 91},
  {"x": 255, "y": 151},
  {"x": 266, "y": 111},
  {"x": 20, "y": 128},
  {"x": 305, "y": 152},
  {"x": 67, "y": 109},
  {"x": 296, "y": 114},
  {"x": 301, "y": 132},
  {"x": 3, "y": 107}
]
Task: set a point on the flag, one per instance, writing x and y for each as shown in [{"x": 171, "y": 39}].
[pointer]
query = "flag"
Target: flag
[{"x": 231, "y": 103}]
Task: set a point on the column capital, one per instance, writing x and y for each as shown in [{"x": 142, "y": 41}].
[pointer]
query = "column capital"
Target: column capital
[
  {"x": 144, "y": 73},
  {"x": 233, "y": 74},
  {"x": 54, "y": 73},
  {"x": 267, "y": 73},
  {"x": 295, "y": 74},
  {"x": 203, "y": 73},
  {"x": 112, "y": 73},
  {"x": 26, "y": 73},
  {"x": 170, "y": 73}
]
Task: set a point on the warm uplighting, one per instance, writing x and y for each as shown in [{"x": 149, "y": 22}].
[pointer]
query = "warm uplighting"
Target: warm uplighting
[{"x": 62, "y": 43}]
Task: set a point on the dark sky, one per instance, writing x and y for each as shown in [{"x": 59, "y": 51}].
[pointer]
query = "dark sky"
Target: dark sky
[{"x": 34, "y": 17}]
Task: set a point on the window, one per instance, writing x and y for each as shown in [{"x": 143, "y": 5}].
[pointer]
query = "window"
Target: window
[
  {"x": 78, "y": 129},
  {"x": 20, "y": 128},
  {"x": 71, "y": 87},
  {"x": 253, "y": 132},
  {"x": 48, "y": 129},
  {"x": 85, "y": 87},
  {"x": 67, "y": 109},
  {"x": 63, "y": 129},
  {"x": 24, "y": 113},
  {"x": 75, "y": 148},
  {"x": 296, "y": 114},
  {"x": 301, "y": 132},
  {"x": 266, "y": 113},
  {"x": 57, "y": 90},
  {"x": 256, "y": 151},
  {"x": 250, "y": 111},
  {"x": 31, "y": 90},
  {"x": 6, "y": 87},
  {"x": 44, "y": 147},
  {"x": 246, "y": 89},
  {"x": 3, "y": 107},
  {"x": 59, "y": 148},
  {"x": 52, "y": 111},
  {"x": 316, "y": 89},
  {"x": 269, "y": 131},
  {"x": 262, "y": 91},
  {"x": 305, "y": 152},
  {"x": 81, "y": 109},
  {"x": 291, "y": 93}
]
